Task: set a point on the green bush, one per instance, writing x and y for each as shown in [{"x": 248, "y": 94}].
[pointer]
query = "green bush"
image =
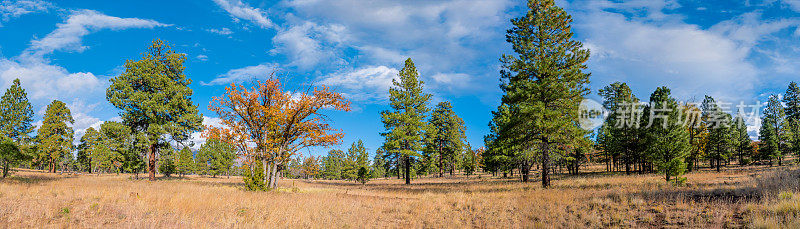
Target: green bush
[
  {"x": 254, "y": 179},
  {"x": 363, "y": 175},
  {"x": 166, "y": 166}
]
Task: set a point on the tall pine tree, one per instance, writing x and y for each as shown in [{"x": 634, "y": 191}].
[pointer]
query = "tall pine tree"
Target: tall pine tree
[
  {"x": 445, "y": 140},
  {"x": 405, "y": 122},
  {"x": 773, "y": 117},
  {"x": 667, "y": 136},
  {"x": 16, "y": 115},
  {"x": 154, "y": 97},
  {"x": 544, "y": 82},
  {"x": 56, "y": 134}
]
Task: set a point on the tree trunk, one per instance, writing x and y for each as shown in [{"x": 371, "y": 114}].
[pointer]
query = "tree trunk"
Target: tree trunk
[
  {"x": 5, "y": 168},
  {"x": 524, "y": 171},
  {"x": 545, "y": 165},
  {"x": 151, "y": 167},
  {"x": 267, "y": 171},
  {"x": 408, "y": 169},
  {"x": 441, "y": 164},
  {"x": 274, "y": 176}
]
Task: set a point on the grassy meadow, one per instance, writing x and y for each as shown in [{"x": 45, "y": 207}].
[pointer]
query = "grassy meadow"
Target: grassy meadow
[{"x": 736, "y": 197}]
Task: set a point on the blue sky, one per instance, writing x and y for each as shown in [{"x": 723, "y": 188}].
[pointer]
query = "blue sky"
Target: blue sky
[{"x": 67, "y": 50}]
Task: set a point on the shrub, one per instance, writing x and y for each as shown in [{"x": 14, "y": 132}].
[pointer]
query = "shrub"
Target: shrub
[
  {"x": 167, "y": 166},
  {"x": 254, "y": 178},
  {"x": 363, "y": 175}
]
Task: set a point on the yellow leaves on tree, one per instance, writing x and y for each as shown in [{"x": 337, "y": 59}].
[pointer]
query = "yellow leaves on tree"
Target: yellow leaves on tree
[{"x": 269, "y": 125}]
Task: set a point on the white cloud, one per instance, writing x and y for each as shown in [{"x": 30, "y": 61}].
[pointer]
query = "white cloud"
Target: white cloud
[
  {"x": 793, "y": 4},
  {"x": 202, "y": 57},
  {"x": 45, "y": 81},
  {"x": 68, "y": 35},
  {"x": 240, "y": 10},
  {"x": 684, "y": 57},
  {"x": 648, "y": 48},
  {"x": 452, "y": 81},
  {"x": 370, "y": 84},
  {"x": 239, "y": 75},
  {"x": 309, "y": 44},
  {"x": 440, "y": 36},
  {"x": 196, "y": 139},
  {"x": 14, "y": 9},
  {"x": 223, "y": 31}
]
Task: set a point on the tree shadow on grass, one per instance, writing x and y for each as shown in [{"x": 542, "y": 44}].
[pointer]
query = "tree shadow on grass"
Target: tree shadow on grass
[
  {"x": 33, "y": 179},
  {"x": 463, "y": 186}
]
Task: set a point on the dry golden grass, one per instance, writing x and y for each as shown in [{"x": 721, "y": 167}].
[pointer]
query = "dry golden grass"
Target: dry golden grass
[{"x": 710, "y": 200}]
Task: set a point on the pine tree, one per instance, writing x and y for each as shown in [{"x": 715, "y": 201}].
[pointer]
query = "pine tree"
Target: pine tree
[
  {"x": 379, "y": 165},
  {"x": 215, "y": 157},
  {"x": 720, "y": 144},
  {"x": 792, "y": 127},
  {"x": 56, "y": 134},
  {"x": 668, "y": 140},
  {"x": 445, "y": 140},
  {"x": 405, "y": 123},
  {"x": 742, "y": 139},
  {"x": 167, "y": 164},
  {"x": 332, "y": 164},
  {"x": 88, "y": 141},
  {"x": 698, "y": 135},
  {"x": 545, "y": 82},
  {"x": 185, "y": 163},
  {"x": 355, "y": 159},
  {"x": 154, "y": 97},
  {"x": 118, "y": 139},
  {"x": 16, "y": 115},
  {"x": 9, "y": 154},
  {"x": 774, "y": 116},
  {"x": 622, "y": 138}
]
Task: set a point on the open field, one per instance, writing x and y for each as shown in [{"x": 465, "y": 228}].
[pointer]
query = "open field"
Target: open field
[{"x": 731, "y": 198}]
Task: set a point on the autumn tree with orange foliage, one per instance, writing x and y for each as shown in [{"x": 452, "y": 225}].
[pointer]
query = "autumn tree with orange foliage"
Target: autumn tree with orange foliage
[{"x": 269, "y": 125}]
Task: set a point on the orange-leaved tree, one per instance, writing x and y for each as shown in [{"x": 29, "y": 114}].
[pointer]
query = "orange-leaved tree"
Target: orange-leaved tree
[{"x": 269, "y": 125}]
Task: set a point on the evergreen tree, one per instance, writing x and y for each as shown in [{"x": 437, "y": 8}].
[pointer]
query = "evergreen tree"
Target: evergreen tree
[
  {"x": 167, "y": 165},
  {"x": 118, "y": 139},
  {"x": 363, "y": 175},
  {"x": 772, "y": 141},
  {"x": 501, "y": 155},
  {"x": 445, "y": 140},
  {"x": 10, "y": 154},
  {"x": 87, "y": 142},
  {"x": 698, "y": 135},
  {"x": 332, "y": 164},
  {"x": 405, "y": 123},
  {"x": 720, "y": 144},
  {"x": 185, "y": 163},
  {"x": 133, "y": 161},
  {"x": 792, "y": 127},
  {"x": 379, "y": 165},
  {"x": 355, "y": 159},
  {"x": 668, "y": 140},
  {"x": 55, "y": 136},
  {"x": 742, "y": 140},
  {"x": 792, "y": 101},
  {"x": 545, "y": 82},
  {"x": 622, "y": 138},
  {"x": 154, "y": 97},
  {"x": 215, "y": 157},
  {"x": 16, "y": 115}
]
